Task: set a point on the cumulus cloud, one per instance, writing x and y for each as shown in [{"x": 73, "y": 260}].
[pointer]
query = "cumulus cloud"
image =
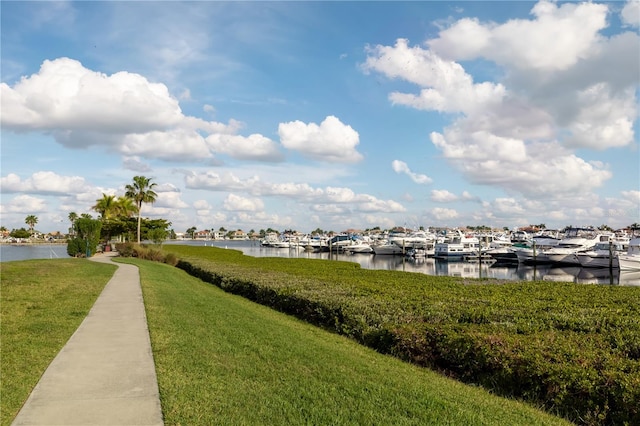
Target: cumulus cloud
[
  {"x": 402, "y": 167},
  {"x": 443, "y": 214},
  {"x": 134, "y": 164},
  {"x": 300, "y": 192},
  {"x": 565, "y": 86},
  {"x": 235, "y": 202},
  {"x": 331, "y": 141},
  {"x": 123, "y": 111},
  {"x": 44, "y": 183},
  {"x": 443, "y": 196},
  {"x": 24, "y": 204},
  {"x": 630, "y": 13},
  {"x": 557, "y": 37},
  {"x": 253, "y": 147}
]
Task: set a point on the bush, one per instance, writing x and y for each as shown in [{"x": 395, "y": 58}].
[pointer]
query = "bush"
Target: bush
[
  {"x": 171, "y": 259},
  {"x": 125, "y": 249},
  {"x": 573, "y": 350},
  {"x": 76, "y": 247}
]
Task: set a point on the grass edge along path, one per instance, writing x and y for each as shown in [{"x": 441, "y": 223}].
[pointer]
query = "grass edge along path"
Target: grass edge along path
[
  {"x": 221, "y": 359},
  {"x": 572, "y": 349},
  {"x": 43, "y": 303}
]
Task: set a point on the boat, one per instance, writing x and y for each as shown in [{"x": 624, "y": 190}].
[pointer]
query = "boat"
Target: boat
[
  {"x": 576, "y": 240},
  {"x": 339, "y": 242},
  {"x": 387, "y": 248},
  {"x": 415, "y": 239},
  {"x": 630, "y": 261},
  {"x": 358, "y": 245},
  {"x": 530, "y": 255},
  {"x": 456, "y": 245},
  {"x": 603, "y": 255}
]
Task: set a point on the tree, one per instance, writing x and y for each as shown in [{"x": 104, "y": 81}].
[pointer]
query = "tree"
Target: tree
[
  {"x": 106, "y": 206},
  {"x": 190, "y": 232},
  {"x": 157, "y": 235},
  {"x": 31, "y": 220},
  {"x": 141, "y": 191},
  {"x": 87, "y": 239},
  {"x": 73, "y": 216},
  {"x": 19, "y": 233}
]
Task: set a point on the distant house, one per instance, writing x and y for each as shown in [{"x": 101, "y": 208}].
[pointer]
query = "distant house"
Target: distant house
[
  {"x": 202, "y": 235},
  {"x": 239, "y": 235}
]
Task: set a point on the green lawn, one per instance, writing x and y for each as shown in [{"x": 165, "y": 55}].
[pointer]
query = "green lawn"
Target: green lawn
[
  {"x": 222, "y": 360},
  {"x": 43, "y": 303}
]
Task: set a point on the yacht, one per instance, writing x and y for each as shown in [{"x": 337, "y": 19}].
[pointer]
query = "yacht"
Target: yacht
[
  {"x": 603, "y": 255},
  {"x": 630, "y": 261},
  {"x": 576, "y": 240},
  {"x": 457, "y": 245}
]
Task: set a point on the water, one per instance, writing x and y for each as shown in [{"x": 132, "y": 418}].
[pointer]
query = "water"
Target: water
[
  {"x": 432, "y": 266},
  {"x": 9, "y": 252},
  {"x": 428, "y": 266}
]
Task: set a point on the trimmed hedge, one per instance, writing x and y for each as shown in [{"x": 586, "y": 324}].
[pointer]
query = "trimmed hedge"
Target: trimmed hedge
[{"x": 572, "y": 349}]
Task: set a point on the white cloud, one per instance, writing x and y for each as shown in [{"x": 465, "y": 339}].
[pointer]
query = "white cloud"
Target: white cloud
[
  {"x": 124, "y": 111},
  {"x": 237, "y": 203},
  {"x": 25, "y": 204},
  {"x": 604, "y": 120},
  {"x": 253, "y": 147},
  {"x": 402, "y": 167},
  {"x": 45, "y": 182},
  {"x": 170, "y": 200},
  {"x": 443, "y": 196},
  {"x": 443, "y": 214},
  {"x": 565, "y": 94},
  {"x": 134, "y": 164},
  {"x": 630, "y": 13},
  {"x": 633, "y": 196},
  {"x": 201, "y": 205},
  {"x": 546, "y": 170},
  {"x": 331, "y": 141},
  {"x": 300, "y": 192},
  {"x": 447, "y": 87},
  {"x": 557, "y": 37}
]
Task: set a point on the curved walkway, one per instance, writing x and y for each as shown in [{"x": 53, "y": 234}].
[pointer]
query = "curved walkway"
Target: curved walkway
[{"x": 105, "y": 374}]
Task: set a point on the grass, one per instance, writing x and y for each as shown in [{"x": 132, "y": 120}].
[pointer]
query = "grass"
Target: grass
[
  {"x": 572, "y": 349},
  {"x": 223, "y": 360},
  {"x": 43, "y": 303}
]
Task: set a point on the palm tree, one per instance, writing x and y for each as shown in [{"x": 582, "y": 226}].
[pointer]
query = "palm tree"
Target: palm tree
[
  {"x": 73, "y": 216},
  {"x": 106, "y": 206},
  {"x": 141, "y": 192},
  {"x": 31, "y": 220},
  {"x": 125, "y": 207}
]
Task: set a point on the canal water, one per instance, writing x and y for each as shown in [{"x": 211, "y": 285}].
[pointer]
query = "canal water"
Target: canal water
[
  {"x": 427, "y": 266},
  {"x": 431, "y": 266}
]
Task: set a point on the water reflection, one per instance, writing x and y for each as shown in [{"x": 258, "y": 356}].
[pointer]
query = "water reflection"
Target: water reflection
[{"x": 432, "y": 266}]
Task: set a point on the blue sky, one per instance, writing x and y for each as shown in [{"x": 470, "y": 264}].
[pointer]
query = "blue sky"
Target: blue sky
[{"x": 331, "y": 115}]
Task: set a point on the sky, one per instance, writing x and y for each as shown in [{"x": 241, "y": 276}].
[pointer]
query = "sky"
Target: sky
[{"x": 330, "y": 115}]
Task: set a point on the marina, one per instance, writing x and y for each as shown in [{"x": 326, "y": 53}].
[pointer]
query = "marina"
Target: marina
[
  {"x": 466, "y": 267},
  {"x": 435, "y": 266}
]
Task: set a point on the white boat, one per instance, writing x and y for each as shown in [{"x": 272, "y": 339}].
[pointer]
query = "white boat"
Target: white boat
[
  {"x": 416, "y": 239},
  {"x": 576, "y": 240},
  {"x": 386, "y": 248},
  {"x": 456, "y": 246},
  {"x": 630, "y": 261},
  {"x": 603, "y": 255},
  {"x": 530, "y": 255},
  {"x": 359, "y": 248},
  {"x": 359, "y": 245}
]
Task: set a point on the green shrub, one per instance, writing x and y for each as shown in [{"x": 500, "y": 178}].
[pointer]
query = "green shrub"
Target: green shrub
[
  {"x": 572, "y": 349},
  {"x": 171, "y": 259},
  {"x": 125, "y": 249}
]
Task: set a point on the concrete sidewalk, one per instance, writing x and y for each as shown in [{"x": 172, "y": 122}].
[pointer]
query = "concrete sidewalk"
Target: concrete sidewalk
[{"x": 105, "y": 374}]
